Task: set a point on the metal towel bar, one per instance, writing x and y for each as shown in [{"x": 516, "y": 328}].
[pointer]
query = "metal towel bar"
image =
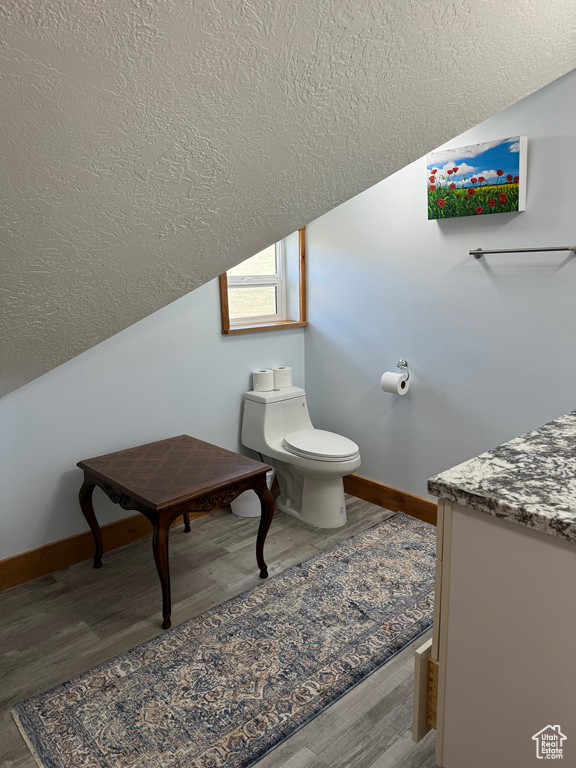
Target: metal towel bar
[{"x": 479, "y": 252}]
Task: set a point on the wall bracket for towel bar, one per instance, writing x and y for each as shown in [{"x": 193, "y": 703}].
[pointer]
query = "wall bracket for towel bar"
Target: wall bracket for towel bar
[{"x": 479, "y": 252}]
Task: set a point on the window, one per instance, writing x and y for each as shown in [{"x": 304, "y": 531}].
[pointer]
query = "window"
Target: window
[
  {"x": 256, "y": 288},
  {"x": 267, "y": 291}
]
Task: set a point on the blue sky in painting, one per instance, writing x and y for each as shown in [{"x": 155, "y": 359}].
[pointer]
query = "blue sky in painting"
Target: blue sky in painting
[{"x": 476, "y": 160}]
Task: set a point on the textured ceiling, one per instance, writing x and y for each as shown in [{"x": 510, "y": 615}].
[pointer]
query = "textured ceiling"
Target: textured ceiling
[{"x": 146, "y": 146}]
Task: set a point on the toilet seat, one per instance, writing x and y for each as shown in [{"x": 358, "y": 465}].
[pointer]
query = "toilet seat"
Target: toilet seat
[{"x": 320, "y": 445}]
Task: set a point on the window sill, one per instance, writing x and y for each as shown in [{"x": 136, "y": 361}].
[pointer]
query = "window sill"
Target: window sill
[{"x": 275, "y": 326}]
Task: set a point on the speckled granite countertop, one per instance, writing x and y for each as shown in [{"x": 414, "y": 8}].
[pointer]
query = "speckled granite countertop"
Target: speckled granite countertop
[{"x": 531, "y": 480}]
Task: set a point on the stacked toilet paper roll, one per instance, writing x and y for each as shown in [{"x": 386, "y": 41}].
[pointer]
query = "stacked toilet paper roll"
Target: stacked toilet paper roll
[
  {"x": 282, "y": 377},
  {"x": 263, "y": 380},
  {"x": 266, "y": 379},
  {"x": 396, "y": 383}
]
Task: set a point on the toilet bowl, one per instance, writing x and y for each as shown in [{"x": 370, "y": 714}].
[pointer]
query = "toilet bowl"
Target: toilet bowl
[{"x": 310, "y": 463}]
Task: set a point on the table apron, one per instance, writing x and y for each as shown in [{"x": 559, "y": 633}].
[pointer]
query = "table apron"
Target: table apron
[{"x": 198, "y": 505}]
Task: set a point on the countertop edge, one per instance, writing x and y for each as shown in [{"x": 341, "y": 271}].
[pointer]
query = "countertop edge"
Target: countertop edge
[{"x": 552, "y": 525}]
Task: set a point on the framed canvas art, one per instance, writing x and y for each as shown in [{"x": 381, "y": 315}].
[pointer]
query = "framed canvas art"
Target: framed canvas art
[{"x": 478, "y": 180}]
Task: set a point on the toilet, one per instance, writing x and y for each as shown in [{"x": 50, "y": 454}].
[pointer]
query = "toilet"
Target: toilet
[{"x": 310, "y": 463}]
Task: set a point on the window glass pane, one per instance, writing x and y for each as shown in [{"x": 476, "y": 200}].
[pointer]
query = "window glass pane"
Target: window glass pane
[
  {"x": 256, "y": 300},
  {"x": 264, "y": 263}
]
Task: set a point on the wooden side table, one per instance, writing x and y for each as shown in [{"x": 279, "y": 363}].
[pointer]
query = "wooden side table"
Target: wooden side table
[{"x": 168, "y": 478}]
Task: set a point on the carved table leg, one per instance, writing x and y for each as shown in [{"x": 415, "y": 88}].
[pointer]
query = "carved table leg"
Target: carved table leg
[
  {"x": 160, "y": 549},
  {"x": 186, "y": 522},
  {"x": 266, "y": 515},
  {"x": 85, "y": 497}
]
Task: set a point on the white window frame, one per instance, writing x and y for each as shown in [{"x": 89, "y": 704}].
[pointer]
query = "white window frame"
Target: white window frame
[
  {"x": 263, "y": 322},
  {"x": 276, "y": 281}
]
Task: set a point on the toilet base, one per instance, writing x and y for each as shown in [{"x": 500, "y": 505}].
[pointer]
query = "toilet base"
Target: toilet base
[{"x": 321, "y": 502}]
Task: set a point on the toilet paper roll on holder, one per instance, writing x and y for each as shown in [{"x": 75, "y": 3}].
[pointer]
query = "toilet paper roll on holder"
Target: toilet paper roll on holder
[{"x": 403, "y": 364}]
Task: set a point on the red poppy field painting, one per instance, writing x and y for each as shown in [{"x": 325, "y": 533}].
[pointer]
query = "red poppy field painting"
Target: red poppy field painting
[{"x": 477, "y": 180}]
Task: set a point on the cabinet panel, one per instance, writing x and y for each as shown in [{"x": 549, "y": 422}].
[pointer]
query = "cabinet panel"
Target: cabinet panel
[{"x": 510, "y": 661}]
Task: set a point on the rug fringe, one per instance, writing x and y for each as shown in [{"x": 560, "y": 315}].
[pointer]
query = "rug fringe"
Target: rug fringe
[{"x": 29, "y": 744}]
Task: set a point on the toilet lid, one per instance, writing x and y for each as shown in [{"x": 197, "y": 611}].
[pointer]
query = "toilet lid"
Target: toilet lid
[{"x": 319, "y": 444}]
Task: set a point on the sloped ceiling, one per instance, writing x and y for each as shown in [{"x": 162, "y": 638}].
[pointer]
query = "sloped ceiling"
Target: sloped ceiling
[{"x": 147, "y": 146}]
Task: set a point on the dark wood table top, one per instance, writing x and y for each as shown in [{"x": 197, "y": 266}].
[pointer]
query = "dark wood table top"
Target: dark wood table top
[{"x": 171, "y": 471}]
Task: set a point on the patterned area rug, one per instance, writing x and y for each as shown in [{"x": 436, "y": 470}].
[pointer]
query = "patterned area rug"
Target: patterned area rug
[{"x": 226, "y": 687}]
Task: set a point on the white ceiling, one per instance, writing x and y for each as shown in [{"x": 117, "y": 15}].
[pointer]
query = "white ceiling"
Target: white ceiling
[{"x": 146, "y": 146}]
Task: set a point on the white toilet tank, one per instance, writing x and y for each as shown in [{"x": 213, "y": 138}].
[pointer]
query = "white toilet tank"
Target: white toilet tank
[{"x": 270, "y": 416}]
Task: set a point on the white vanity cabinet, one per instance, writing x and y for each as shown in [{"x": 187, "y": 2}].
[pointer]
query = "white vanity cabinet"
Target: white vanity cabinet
[{"x": 504, "y": 638}]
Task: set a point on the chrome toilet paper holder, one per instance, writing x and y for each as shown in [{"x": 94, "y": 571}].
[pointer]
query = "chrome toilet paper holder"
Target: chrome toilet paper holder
[{"x": 403, "y": 364}]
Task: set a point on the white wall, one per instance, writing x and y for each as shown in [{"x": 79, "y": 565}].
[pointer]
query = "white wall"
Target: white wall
[
  {"x": 491, "y": 343},
  {"x": 172, "y": 373}
]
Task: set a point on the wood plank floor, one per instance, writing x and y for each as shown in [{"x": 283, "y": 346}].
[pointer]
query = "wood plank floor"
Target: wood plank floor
[{"x": 55, "y": 627}]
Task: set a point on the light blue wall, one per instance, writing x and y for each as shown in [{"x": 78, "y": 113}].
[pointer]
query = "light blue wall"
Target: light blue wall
[
  {"x": 170, "y": 374},
  {"x": 491, "y": 343}
]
